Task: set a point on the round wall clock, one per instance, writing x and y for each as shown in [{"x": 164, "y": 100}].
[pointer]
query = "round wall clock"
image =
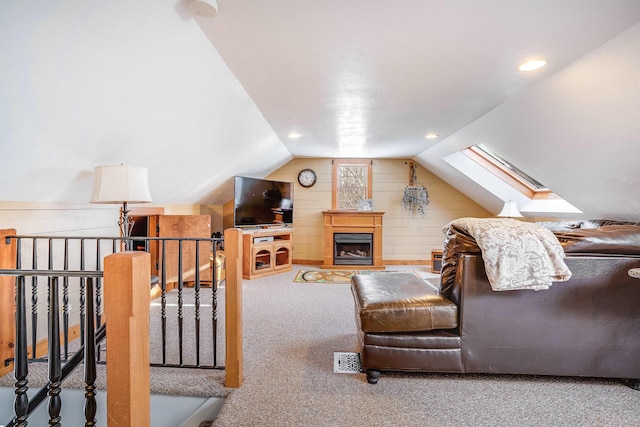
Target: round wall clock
[{"x": 307, "y": 178}]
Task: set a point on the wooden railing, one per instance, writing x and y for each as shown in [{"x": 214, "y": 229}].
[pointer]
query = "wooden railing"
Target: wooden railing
[
  {"x": 233, "y": 304},
  {"x": 7, "y": 300},
  {"x": 126, "y": 309},
  {"x": 126, "y": 302}
]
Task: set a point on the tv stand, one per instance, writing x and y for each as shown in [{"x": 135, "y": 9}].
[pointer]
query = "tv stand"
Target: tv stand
[{"x": 266, "y": 252}]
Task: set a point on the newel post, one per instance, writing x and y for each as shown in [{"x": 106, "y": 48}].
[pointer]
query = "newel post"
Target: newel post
[
  {"x": 7, "y": 300},
  {"x": 127, "y": 278},
  {"x": 233, "y": 308}
]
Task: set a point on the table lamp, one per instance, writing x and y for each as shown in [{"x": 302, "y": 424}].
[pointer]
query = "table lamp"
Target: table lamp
[
  {"x": 510, "y": 210},
  {"x": 121, "y": 184}
]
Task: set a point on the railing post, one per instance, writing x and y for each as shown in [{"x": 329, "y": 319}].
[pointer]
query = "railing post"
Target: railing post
[
  {"x": 7, "y": 300},
  {"x": 233, "y": 307},
  {"x": 127, "y": 278}
]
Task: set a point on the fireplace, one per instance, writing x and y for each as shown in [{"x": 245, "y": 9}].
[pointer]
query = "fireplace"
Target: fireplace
[
  {"x": 352, "y": 239},
  {"x": 353, "y": 249}
]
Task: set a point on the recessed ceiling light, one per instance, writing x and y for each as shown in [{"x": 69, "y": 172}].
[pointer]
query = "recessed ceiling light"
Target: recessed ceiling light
[
  {"x": 294, "y": 135},
  {"x": 532, "y": 65},
  {"x": 431, "y": 135}
]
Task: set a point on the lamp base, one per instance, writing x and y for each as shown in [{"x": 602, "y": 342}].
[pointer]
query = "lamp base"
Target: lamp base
[{"x": 126, "y": 226}]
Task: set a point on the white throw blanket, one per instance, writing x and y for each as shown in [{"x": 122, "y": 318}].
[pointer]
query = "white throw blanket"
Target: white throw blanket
[{"x": 516, "y": 254}]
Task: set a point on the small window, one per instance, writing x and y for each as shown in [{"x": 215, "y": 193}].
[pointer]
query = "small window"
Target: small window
[
  {"x": 351, "y": 182},
  {"x": 506, "y": 171}
]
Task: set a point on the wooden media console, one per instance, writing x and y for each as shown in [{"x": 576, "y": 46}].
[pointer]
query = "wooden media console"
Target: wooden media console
[{"x": 266, "y": 251}]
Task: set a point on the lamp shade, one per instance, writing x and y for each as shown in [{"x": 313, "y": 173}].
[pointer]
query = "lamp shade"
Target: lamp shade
[
  {"x": 118, "y": 184},
  {"x": 510, "y": 209}
]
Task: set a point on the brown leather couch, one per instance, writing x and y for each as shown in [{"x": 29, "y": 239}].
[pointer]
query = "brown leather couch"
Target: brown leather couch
[{"x": 588, "y": 326}]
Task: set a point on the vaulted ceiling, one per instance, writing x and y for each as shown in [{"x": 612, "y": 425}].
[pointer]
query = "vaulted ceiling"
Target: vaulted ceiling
[
  {"x": 372, "y": 78},
  {"x": 198, "y": 100}
]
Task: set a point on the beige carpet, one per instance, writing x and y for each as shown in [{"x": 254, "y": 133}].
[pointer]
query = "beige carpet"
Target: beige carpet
[{"x": 291, "y": 331}]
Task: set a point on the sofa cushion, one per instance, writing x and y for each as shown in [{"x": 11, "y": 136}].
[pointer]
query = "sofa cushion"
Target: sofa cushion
[{"x": 400, "y": 302}]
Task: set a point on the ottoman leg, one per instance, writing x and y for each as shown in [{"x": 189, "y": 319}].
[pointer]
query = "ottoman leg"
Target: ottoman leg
[{"x": 372, "y": 376}]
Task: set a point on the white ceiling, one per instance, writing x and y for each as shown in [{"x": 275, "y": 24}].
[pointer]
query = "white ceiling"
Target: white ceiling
[
  {"x": 198, "y": 100},
  {"x": 371, "y": 78}
]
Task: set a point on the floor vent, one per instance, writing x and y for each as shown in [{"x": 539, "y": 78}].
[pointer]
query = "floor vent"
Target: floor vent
[{"x": 346, "y": 363}]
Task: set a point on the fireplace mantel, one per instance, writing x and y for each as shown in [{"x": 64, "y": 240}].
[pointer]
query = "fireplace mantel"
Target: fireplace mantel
[{"x": 347, "y": 221}]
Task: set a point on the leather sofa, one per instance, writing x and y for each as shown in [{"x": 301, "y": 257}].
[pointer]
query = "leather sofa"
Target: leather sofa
[{"x": 588, "y": 326}]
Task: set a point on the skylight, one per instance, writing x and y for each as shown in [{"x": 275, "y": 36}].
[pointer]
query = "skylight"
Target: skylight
[
  {"x": 505, "y": 170},
  {"x": 507, "y": 182}
]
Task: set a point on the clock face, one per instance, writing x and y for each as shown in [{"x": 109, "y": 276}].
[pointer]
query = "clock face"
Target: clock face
[{"x": 307, "y": 178}]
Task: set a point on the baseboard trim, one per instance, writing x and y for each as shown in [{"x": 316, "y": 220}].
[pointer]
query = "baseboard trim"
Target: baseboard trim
[
  {"x": 384, "y": 262},
  {"x": 307, "y": 262},
  {"x": 407, "y": 262}
]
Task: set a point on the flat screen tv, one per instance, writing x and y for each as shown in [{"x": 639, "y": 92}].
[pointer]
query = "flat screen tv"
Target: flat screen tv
[{"x": 259, "y": 202}]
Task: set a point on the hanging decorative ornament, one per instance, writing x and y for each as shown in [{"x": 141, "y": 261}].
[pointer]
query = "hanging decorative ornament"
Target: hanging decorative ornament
[{"x": 416, "y": 196}]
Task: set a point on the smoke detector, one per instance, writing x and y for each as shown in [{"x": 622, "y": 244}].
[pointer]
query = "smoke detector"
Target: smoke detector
[{"x": 206, "y": 8}]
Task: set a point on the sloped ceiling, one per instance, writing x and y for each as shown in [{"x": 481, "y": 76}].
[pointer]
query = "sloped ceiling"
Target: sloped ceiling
[
  {"x": 372, "y": 78},
  {"x": 135, "y": 82},
  {"x": 198, "y": 100},
  {"x": 576, "y": 131}
]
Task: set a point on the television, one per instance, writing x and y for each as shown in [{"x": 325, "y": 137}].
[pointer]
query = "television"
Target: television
[{"x": 262, "y": 202}]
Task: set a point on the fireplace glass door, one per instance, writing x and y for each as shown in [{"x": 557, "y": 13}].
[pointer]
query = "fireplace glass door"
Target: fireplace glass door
[{"x": 353, "y": 249}]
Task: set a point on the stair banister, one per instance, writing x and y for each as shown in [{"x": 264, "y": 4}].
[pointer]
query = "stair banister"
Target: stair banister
[
  {"x": 126, "y": 304},
  {"x": 234, "y": 375}
]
